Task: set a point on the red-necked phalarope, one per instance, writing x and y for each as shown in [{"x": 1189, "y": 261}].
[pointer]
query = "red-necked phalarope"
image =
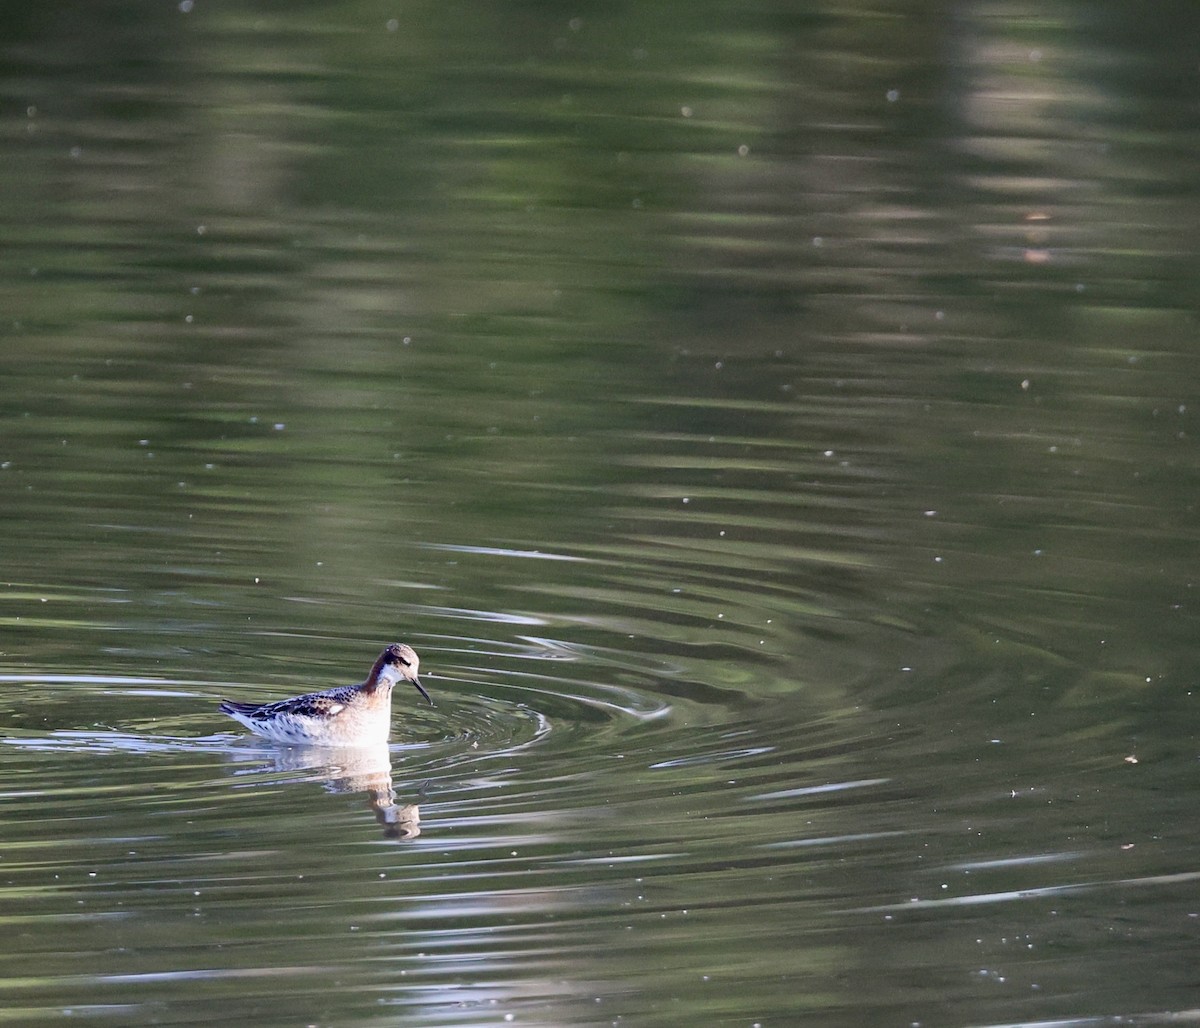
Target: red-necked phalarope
[{"x": 352, "y": 715}]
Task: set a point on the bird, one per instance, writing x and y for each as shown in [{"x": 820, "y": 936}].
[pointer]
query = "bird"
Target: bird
[{"x": 350, "y": 715}]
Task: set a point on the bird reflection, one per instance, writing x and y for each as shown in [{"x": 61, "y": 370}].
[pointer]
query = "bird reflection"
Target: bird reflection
[{"x": 366, "y": 769}]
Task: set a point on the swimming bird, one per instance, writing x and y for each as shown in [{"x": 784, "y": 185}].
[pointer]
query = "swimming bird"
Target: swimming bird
[{"x": 351, "y": 715}]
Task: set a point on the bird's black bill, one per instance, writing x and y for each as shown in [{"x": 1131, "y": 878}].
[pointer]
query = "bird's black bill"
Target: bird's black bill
[{"x": 421, "y": 690}]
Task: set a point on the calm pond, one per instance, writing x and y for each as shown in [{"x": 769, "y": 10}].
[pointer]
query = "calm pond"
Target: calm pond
[{"x": 773, "y": 426}]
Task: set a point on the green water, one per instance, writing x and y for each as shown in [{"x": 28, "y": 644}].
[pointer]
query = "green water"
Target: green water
[{"x": 772, "y": 425}]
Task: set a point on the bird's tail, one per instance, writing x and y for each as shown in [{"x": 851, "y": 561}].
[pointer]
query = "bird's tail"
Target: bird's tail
[{"x": 233, "y": 709}]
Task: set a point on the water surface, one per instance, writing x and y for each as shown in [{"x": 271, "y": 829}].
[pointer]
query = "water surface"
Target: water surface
[{"x": 772, "y": 426}]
